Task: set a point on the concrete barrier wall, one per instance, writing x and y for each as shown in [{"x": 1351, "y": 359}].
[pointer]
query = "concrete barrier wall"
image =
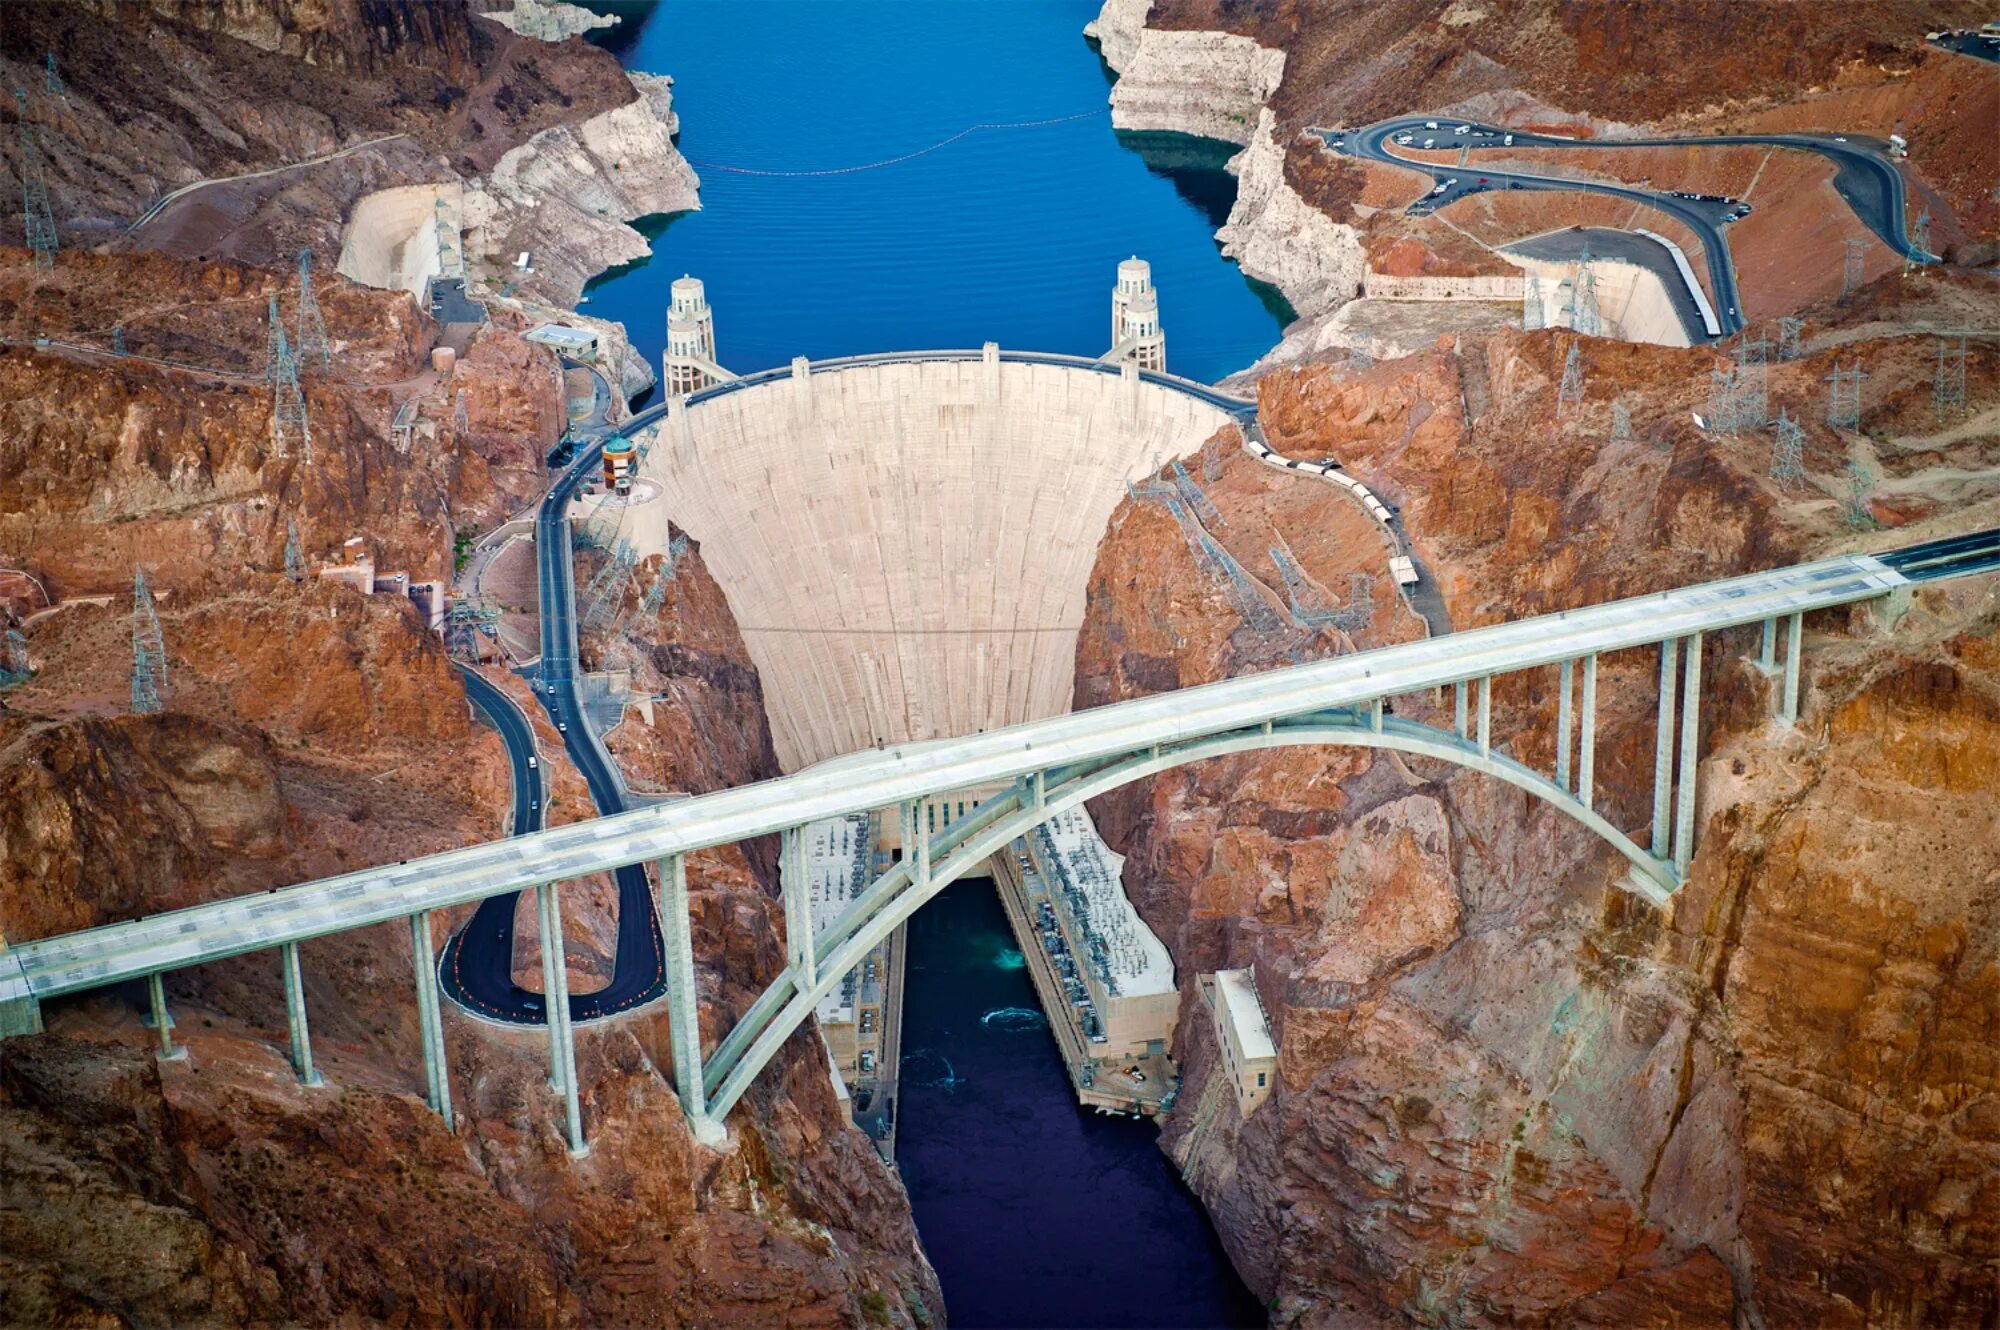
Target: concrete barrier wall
[
  {"x": 1492, "y": 286},
  {"x": 906, "y": 547}
]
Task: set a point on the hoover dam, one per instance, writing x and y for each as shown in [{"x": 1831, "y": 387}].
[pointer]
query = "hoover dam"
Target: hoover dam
[{"x": 906, "y": 545}]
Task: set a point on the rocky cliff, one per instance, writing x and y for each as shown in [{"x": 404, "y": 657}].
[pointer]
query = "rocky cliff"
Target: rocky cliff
[
  {"x": 1508, "y": 1091},
  {"x": 1207, "y": 83}
]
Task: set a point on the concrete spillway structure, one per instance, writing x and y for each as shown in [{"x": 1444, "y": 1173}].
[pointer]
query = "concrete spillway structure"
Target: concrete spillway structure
[{"x": 906, "y": 546}]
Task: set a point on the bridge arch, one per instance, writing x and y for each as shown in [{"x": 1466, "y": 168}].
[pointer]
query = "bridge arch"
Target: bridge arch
[{"x": 965, "y": 844}]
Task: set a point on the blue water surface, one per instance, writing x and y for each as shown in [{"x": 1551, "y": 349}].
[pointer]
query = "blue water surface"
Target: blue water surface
[
  {"x": 1007, "y": 235},
  {"x": 1034, "y": 1212}
]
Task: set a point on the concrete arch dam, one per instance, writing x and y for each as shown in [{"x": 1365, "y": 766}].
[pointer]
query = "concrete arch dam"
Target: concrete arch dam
[{"x": 906, "y": 543}]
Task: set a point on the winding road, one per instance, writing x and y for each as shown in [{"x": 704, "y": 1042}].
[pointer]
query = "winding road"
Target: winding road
[
  {"x": 1867, "y": 179},
  {"x": 476, "y": 967}
]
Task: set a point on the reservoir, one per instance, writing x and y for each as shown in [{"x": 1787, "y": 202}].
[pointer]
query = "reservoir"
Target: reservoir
[{"x": 1035, "y": 1211}]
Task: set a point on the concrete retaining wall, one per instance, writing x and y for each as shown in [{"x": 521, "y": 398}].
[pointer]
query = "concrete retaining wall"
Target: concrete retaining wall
[{"x": 1492, "y": 286}]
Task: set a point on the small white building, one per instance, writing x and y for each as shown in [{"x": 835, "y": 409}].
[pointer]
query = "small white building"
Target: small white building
[
  {"x": 1244, "y": 1035},
  {"x": 576, "y": 343}
]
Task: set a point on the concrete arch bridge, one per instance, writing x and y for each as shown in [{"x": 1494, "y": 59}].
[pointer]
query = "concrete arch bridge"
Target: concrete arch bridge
[{"x": 1039, "y": 769}]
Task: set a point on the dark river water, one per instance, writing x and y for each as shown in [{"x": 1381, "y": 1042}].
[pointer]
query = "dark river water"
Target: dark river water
[{"x": 1035, "y": 1212}]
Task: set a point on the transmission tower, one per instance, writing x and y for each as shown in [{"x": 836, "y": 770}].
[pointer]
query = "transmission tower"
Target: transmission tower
[
  {"x": 1752, "y": 407},
  {"x": 1570, "y": 395},
  {"x": 1621, "y": 424},
  {"x": 288, "y": 401},
  {"x": 118, "y": 340},
  {"x": 149, "y": 649},
  {"x": 1245, "y": 596},
  {"x": 1843, "y": 402},
  {"x": 1531, "y": 303},
  {"x": 464, "y": 624},
  {"x": 53, "y": 79},
  {"x": 295, "y": 560},
  {"x": 1581, "y": 313},
  {"x": 1850, "y": 272},
  {"x": 461, "y": 416},
  {"x": 605, "y": 595},
  {"x": 1788, "y": 337},
  {"x": 312, "y": 328},
  {"x": 1860, "y": 480},
  {"x": 1304, "y": 598},
  {"x": 1192, "y": 496},
  {"x": 1920, "y": 242},
  {"x": 669, "y": 567},
  {"x": 1788, "y": 453},
  {"x": 40, "y": 223},
  {"x": 1948, "y": 388}
]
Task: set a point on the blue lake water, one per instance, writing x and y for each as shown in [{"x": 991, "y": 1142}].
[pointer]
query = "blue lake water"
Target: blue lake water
[
  {"x": 1034, "y": 1212},
  {"x": 1009, "y": 235}
]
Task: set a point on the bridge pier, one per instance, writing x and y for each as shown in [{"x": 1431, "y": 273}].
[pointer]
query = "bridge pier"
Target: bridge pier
[
  {"x": 163, "y": 1024},
  {"x": 1788, "y": 711},
  {"x": 1690, "y": 745},
  {"x": 1586, "y": 774},
  {"x": 1486, "y": 715},
  {"x": 1663, "y": 747},
  {"x": 793, "y": 880},
  {"x": 295, "y": 1016},
  {"x": 683, "y": 1002},
  {"x": 430, "y": 1019},
  {"x": 1563, "y": 724},
  {"x": 562, "y": 1039},
  {"x": 1458, "y": 709}
]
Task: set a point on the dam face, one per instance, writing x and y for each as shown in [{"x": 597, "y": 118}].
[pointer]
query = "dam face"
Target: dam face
[{"x": 906, "y": 547}]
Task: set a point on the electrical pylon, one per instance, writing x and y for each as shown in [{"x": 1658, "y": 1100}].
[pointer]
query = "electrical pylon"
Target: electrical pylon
[
  {"x": 39, "y": 221},
  {"x": 1621, "y": 423},
  {"x": 149, "y": 649},
  {"x": 295, "y": 561},
  {"x": 1850, "y": 270},
  {"x": 288, "y": 400},
  {"x": 52, "y": 79},
  {"x": 1860, "y": 481},
  {"x": 1843, "y": 403},
  {"x": 1948, "y": 387},
  {"x": 1920, "y": 241},
  {"x": 1788, "y": 453},
  {"x": 1788, "y": 337},
  {"x": 1570, "y": 395},
  {"x": 312, "y": 328}
]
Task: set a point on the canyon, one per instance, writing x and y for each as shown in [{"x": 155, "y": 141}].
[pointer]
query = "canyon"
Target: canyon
[{"x": 1508, "y": 1090}]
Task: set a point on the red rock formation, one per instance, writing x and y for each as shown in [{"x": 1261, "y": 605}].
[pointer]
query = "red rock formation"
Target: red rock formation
[{"x": 1508, "y": 1091}]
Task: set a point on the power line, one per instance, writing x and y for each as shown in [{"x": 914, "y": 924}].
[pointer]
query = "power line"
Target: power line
[{"x": 39, "y": 220}]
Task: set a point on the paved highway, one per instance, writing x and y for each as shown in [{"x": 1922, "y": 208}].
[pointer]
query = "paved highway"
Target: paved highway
[
  {"x": 1866, "y": 179},
  {"x": 884, "y": 778},
  {"x": 476, "y": 968}
]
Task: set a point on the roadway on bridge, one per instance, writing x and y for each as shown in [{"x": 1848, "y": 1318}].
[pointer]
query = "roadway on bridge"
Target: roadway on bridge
[{"x": 1865, "y": 178}]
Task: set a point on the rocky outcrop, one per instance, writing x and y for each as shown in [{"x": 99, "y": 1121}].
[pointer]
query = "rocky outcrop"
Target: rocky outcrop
[
  {"x": 550, "y": 20},
  {"x": 1509, "y": 1092},
  {"x": 564, "y": 196},
  {"x": 1277, "y": 237},
  {"x": 1208, "y": 83}
]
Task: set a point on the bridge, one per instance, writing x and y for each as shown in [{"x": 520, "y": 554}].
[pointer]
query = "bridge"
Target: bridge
[{"x": 1041, "y": 768}]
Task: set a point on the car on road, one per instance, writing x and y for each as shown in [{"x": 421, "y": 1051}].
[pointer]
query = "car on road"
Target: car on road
[
  {"x": 1430, "y": 124},
  {"x": 1463, "y": 129},
  {"x": 532, "y": 764},
  {"x": 1405, "y": 138},
  {"x": 1430, "y": 143},
  {"x": 562, "y": 726},
  {"x": 1508, "y": 140},
  {"x": 1438, "y": 188}
]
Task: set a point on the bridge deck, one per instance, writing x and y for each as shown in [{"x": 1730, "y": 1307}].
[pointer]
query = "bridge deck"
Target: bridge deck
[{"x": 880, "y": 779}]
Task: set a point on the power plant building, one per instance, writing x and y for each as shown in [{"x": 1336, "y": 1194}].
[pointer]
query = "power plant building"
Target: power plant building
[{"x": 1243, "y": 1032}]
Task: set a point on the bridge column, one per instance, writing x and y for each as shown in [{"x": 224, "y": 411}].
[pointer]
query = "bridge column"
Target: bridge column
[
  {"x": 1486, "y": 716},
  {"x": 1663, "y": 748},
  {"x": 430, "y": 1018},
  {"x": 1690, "y": 743},
  {"x": 549, "y": 989},
  {"x": 1562, "y": 725},
  {"x": 916, "y": 844},
  {"x": 1794, "y": 639},
  {"x": 1375, "y": 715},
  {"x": 683, "y": 1001},
  {"x": 1586, "y": 772},
  {"x": 163, "y": 1024},
  {"x": 797, "y": 887},
  {"x": 295, "y": 1016},
  {"x": 1458, "y": 708},
  {"x": 557, "y": 1001},
  {"x": 1767, "y": 646}
]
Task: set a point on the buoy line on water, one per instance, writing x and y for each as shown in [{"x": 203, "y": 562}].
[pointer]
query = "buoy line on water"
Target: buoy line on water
[{"x": 908, "y": 156}]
